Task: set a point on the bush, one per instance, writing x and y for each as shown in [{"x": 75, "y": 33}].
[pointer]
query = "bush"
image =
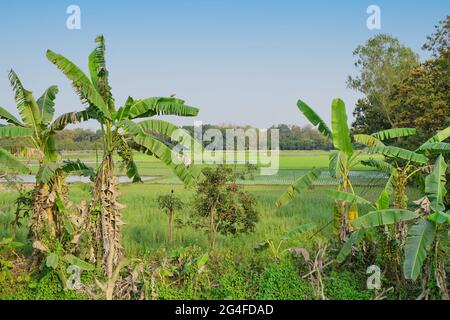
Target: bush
[
  {"x": 282, "y": 282},
  {"x": 46, "y": 287},
  {"x": 344, "y": 285}
]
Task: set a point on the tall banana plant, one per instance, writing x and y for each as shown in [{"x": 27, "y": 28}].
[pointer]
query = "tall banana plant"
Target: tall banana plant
[
  {"x": 342, "y": 160},
  {"x": 402, "y": 164},
  {"x": 36, "y": 127},
  {"x": 424, "y": 251},
  {"x": 122, "y": 134}
]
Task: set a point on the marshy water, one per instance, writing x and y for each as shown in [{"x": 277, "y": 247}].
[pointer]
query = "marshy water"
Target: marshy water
[{"x": 70, "y": 179}]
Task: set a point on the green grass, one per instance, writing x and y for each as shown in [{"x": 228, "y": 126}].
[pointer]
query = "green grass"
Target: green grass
[{"x": 146, "y": 225}]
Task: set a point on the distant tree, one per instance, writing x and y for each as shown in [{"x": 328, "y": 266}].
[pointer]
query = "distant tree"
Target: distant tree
[
  {"x": 423, "y": 99},
  {"x": 227, "y": 209},
  {"x": 383, "y": 62},
  {"x": 170, "y": 203}
]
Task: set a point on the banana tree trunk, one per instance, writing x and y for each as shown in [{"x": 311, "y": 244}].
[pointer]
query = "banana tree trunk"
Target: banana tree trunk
[
  {"x": 170, "y": 231},
  {"x": 106, "y": 216},
  {"x": 45, "y": 222},
  {"x": 401, "y": 202}
]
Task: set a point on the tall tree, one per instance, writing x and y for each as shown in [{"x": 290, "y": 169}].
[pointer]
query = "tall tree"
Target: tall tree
[
  {"x": 383, "y": 62},
  {"x": 422, "y": 100},
  {"x": 121, "y": 135},
  {"x": 36, "y": 126}
]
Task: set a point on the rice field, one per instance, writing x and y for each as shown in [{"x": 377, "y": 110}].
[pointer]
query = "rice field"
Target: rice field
[{"x": 146, "y": 224}]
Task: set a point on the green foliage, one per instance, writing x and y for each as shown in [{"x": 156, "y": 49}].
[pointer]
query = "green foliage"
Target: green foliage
[
  {"x": 220, "y": 197},
  {"x": 419, "y": 241},
  {"x": 421, "y": 100},
  {"x": 301, "y": 184},
  {"x": 384, "y": 217},
  {"x": 170, "y": 202},
  {"x": 382, "y": 63},
  {"x": 283, "y": 282},
  {"x": 315, "y": 119},
  {"x": 344, "y": 285},
  {"x": 341, "y": 133}
]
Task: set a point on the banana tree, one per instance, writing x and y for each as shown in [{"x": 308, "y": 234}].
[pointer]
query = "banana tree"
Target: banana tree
[
  {"x": 36, "y": 127},
  {"x": 342, "y": 160},
  {"x": 121, "y": 135},
  {"x": 402, "y": 164},
  {"x": 425, "y": 241}
]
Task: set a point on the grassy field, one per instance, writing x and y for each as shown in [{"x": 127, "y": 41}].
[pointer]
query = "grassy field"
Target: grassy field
[
  {"x": 246, "y": 273},
  {"x": 146, "y": 225}
]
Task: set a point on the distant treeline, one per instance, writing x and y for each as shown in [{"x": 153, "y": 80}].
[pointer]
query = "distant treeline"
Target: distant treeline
[{"x": 291, "y": 138}]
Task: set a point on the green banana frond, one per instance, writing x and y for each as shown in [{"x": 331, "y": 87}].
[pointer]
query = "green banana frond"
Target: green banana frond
[
  {"x": 27, "y": 106},
  {"x": 8, "y": 161},
  {"x": 160, "y": 106},
  {"x": 341, "y": 132},
  {"x": 315, "y": 119},
  {"x": 80, "y": 82},
  {"x": 400, "y": 153},
  {"x": 46, "y": 104},
  {"x": 394, "y": 133},
  {"x": 301, "y": 184},
  {"x": 9, "y": 118}
]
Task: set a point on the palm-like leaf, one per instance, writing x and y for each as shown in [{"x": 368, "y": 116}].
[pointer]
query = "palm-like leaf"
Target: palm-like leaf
[
  {"x": 8, "y": 161},
  {"x": 8, "y": 117},
  {"x": 380, "y": 165},
  {"x": 99, "y": 73},
  {"x": 353, "y": 240},
  {"x": 383, "y": 217},
  {"x": 80, "y": 82},
  {"x": 27, "y": 106},
  {"x": 400, "y": 153},
  {"x": 160, "y": 106},
  {"x": 440, "y": 136},
  {"x": 163, "y": 128},
  {"x": 65, "y": 119},
  {"x": 47, "y": 172},
  {"x": 367, "y": 140},
  {"x": 50, "y": 152},
  {"x": 15, "y": 132},
  {"x": 434, "y": 148},
  {"x": 384, "y": 199},
  {"x": 46, "y": 104},
  {"x": 347, "y": 197},
  {"x": 189, "y": 175},
  {"x": 299, "y": 230},
  {"x": 78, "y": 168},
  {"x": 435, "y": 184},
  {"x": 341, "y": 132},
  {"x": 315, "y": 119},
  {"x": 394, "y": 133},
  {"x": 418, "y": 243},
  {"x": 338, "y": 164},
  {"x": 301, "y": 184}
]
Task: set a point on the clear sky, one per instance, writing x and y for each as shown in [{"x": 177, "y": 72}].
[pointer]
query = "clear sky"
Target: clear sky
[{"x": 239, "y": 61}]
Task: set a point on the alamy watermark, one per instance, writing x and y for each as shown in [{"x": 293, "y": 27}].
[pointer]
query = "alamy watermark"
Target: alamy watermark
[
  {"x": 374, "y": 20},
  {"x": 236, "y": 146},
  {"x": 374, "y": 280},
  {"x": 73, "y": 21}
]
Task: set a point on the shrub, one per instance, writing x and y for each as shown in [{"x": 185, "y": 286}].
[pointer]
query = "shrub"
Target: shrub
[
  {"x": 344, "y": 285},
  {"x": 282, "y": 282}
]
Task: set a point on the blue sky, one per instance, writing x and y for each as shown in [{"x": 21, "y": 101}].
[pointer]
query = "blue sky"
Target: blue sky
[{"x": 240, "y": 62}]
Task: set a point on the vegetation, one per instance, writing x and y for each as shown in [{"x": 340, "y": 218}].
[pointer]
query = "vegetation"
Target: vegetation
[
  {"x": 122, "y": 135},
  {"x": 227, "y": 209},
  {"x": 376, "y": 195}
]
